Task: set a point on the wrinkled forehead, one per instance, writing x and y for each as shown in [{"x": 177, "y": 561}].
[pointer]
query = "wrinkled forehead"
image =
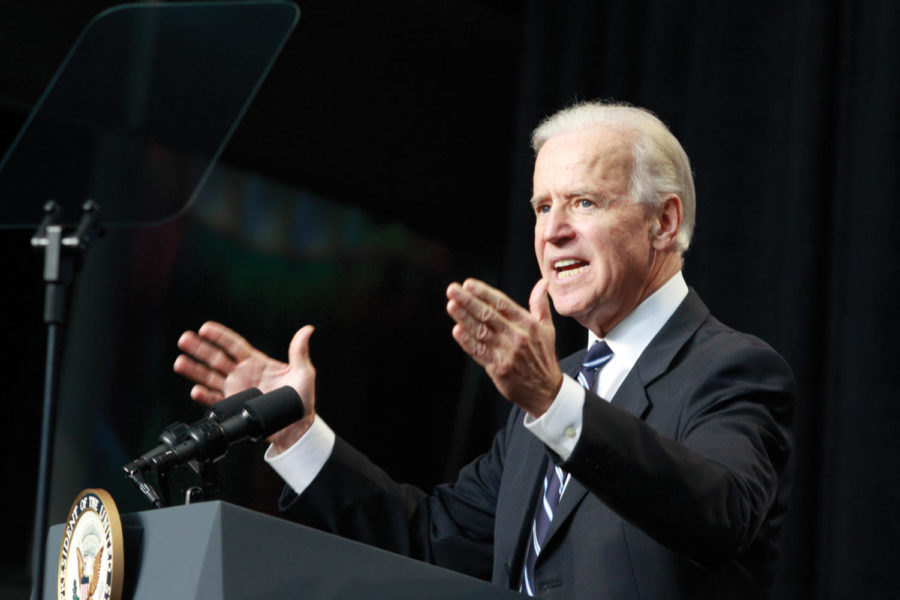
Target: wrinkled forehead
[{"x": 600, "y": 156}]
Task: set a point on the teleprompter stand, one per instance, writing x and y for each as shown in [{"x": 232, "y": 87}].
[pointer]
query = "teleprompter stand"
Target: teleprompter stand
[
  {"x": 62, "y": 256},
  {"x": 128, "y": 128}
]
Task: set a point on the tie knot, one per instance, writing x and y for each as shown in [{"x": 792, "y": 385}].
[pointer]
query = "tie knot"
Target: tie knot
[{"x": 597, "y": 356}]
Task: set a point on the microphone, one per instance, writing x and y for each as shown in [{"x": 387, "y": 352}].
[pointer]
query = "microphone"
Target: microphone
[
  {"x": 177, "y": 433},
  {"x": 231, "y": 405},
  {"x": 209, "y": 439}
]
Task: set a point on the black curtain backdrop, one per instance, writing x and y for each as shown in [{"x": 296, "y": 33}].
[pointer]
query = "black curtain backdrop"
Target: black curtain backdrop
[
  {"x": 400, "y": 132},
  {"x": 790, "y": 114}
]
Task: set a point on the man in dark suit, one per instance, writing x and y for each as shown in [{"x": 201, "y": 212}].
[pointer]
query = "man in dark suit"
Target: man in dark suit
[{"x": 654, "y": 465}]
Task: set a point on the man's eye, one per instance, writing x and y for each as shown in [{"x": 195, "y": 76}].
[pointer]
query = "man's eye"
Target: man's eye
[
  {"x": 541, "y": 209},
  {"x": 585, "y": 203}
]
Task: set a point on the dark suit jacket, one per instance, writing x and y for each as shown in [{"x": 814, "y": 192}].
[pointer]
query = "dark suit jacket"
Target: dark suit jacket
[{"x": 679, "y": 485}]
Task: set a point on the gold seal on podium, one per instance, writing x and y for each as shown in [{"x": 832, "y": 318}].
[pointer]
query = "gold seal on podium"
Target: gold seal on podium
[{"x": 91, "y": 554}]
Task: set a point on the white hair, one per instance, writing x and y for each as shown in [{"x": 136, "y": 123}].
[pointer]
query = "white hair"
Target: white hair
[{"x": 661, "y": 166}]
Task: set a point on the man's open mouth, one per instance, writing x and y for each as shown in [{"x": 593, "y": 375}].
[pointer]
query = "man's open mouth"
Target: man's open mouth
[{"x": 569, "y": 267}]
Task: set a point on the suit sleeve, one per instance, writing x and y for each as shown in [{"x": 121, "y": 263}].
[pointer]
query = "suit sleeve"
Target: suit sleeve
[
  {"x": 452, "y": 527},
  {"x": 704, "y": 469}
]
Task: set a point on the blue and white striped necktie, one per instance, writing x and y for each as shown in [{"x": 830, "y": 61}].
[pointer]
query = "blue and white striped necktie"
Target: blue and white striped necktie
[
  {"x": 595, "y": 359},
  {"x": 555, "y": 478}
]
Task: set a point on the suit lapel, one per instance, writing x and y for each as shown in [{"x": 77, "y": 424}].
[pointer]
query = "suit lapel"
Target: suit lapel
[
  {"x": 571, "y": 498},
  {"x": 656, "y": 359},
  {"x": 632, "y": 395},
  {"x": 658, "y": 356}
]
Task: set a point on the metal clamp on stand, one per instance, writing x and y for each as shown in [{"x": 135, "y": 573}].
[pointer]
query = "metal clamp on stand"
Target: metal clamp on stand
[{"x": 63, "y": 253}]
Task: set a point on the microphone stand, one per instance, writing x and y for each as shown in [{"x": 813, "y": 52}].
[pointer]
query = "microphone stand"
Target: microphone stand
[{"x": 62, "y": 259}]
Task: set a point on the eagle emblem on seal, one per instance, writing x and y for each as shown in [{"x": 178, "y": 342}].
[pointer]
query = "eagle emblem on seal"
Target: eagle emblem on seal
[{"x": 85, "y": 585}]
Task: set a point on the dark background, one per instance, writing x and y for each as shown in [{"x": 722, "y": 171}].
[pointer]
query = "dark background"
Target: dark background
[{"x": 398, "y": 132}]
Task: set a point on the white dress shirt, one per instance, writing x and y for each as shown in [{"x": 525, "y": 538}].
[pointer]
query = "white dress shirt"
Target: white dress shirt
[{"x": 559, "y": 427}]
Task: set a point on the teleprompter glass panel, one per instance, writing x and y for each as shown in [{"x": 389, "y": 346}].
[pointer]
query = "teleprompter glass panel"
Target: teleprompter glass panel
[{"x": 140, "y": 109}]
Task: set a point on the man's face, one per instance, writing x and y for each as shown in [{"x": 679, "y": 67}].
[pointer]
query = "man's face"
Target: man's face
[{"x": 593, "y": 244}]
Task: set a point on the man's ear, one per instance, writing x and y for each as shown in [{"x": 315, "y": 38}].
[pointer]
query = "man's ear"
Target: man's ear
[{"x": 667, "y": 222}]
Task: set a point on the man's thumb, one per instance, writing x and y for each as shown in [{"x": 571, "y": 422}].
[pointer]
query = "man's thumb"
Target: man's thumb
[
  {"x": 539, "y": 301},
  {"x": 298, "y": 351}
]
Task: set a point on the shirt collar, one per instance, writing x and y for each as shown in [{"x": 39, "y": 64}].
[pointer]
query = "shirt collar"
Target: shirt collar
[{"x": 634, "y": 333}]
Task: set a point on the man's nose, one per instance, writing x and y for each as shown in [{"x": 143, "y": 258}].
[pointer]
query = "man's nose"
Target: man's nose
[{"x": 557, "y": 226}]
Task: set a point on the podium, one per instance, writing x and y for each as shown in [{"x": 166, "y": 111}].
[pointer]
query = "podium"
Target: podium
[{"x": 219, "y": 551}]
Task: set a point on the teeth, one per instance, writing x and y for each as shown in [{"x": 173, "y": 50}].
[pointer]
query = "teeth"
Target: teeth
[
  {"x": 569, "y": 267},
  {"x": 562, "y": 264},
  {"x": 570, "y": 272}
]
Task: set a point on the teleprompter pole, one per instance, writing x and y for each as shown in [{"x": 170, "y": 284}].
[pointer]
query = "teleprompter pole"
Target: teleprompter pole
[{"x": 62, "y": 257}]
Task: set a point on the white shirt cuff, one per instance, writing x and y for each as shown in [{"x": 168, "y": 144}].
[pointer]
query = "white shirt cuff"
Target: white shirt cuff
[
  {"x": 299, "y": 464},
  {"x": 560, "y": 426}
]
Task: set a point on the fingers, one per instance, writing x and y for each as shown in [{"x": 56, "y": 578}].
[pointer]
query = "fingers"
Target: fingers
[
  {"x": 206, "y": 396},
  {"x": 205, "y": 352},
  {"x": 209, "y": 384},
  {"x": 199, "y": 373},
  {"x": 493, "y": 298},
  {"x": 482, "y": 310},
  {"x": 214, "y": 345},
  {"x": 487, "y": 321},
  {"x": 477, "y": 349},
  {"x": 208, "y": 357},
  {"x": 470, "y": 333},
  {"x": 226, "y": 339},
  {"x": 463, "y": 312},
  {"x": 221, "y": 363}
]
